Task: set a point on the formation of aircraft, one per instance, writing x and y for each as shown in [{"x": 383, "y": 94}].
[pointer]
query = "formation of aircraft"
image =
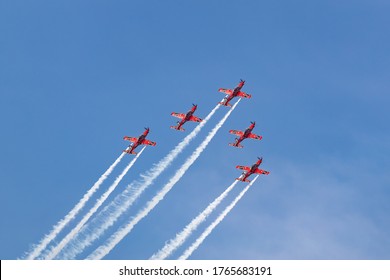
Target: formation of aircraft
[
  {"x": 236, "y": 92},
  {"x": 248, "y": 171},
  {"x": 243, "y": 135},
  {"x": 141, "y": 140},
  {"x": 233, "y": 93},
  {"x": 185, "y": 118}
]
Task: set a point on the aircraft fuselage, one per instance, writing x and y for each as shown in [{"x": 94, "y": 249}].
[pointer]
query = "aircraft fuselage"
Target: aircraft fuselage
[
  {"x": 188, "y": 115},
  {"x": 140, "y": 139},
  {"x": 254, "y": 168},
  {"x": 247, "y": 132},
  {"x": 234, "y": 93}
]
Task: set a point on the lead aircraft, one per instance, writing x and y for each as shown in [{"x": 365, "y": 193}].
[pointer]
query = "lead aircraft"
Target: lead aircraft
[
  {"x": 233, "y": 93},
  {"x": 185, "y": 118},
  {"x": 141, "y": 140},
  {"x": 248, "y": 171},
  {"x": 243, "y": 135}
]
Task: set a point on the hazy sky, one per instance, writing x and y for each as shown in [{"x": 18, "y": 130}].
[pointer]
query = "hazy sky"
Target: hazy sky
[{"x": 76, "y": 76}]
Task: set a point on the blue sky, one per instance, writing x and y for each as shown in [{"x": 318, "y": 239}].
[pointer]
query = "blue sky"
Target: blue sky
[{"x": 76, "y": 76}]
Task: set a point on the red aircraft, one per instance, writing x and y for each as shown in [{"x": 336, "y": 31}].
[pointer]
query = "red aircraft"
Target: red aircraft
[
  {"x": 141, "y": 140},
  {"x": 185, "y": 117},
  {"x": 243, "y": 135},
  {"x": 251, "y": 170},
  {"x": 233, "y": 93}
]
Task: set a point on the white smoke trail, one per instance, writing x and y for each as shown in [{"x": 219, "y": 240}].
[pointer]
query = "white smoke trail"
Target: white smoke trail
[
  {"x": 117, "y": 207},
  {"x": 103, "y": 250},
  {"x": 54, "y": 251},
  {"x": 211, "y": 227},
  {"x": 70, "y": 216},
  {"x": 181, "y": 237}
]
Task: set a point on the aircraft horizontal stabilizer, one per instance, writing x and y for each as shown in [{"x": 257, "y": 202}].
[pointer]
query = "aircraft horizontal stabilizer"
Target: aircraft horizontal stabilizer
[
  {"x": 240, "y": 179},
  {"x": 234, "y": 145},
  {"x": 227, "y": 104},
  {"x": 128, "y": 152},
  {"x": 177, "y": 128}
]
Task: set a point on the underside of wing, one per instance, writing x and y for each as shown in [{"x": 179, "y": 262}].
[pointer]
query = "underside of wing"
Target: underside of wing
[
  {"x": 236, "y": 132},
  {"x": 255, "y": 136},
  {"x": 178, "y": 115},
  {"x": 246, "y": 168},
  {"x": 226, "y": 91},
  {"x": 261, "y": 171},
  {"x": 131, "y": 139},
  {"x": 195, "y": 119},
  {"x": 243, "y": 94},
  {"x": 148, "y": 142}
]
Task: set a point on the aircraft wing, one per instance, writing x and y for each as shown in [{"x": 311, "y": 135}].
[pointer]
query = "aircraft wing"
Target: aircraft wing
[
  {"x": 131, "y": 139},
  {"x": 236, "y": 132},
  {"x": 148, "y": 142},
  {"x": 195, "y": 119},
  {"x": 178, "y": 115},
  {"x": 243, "y": 94},
  {"x": 261, "y": 171},
  {"x": 255, "y": 136},
  {"x": 246, "y": 168},
  {"x": 224, "y": 90}
]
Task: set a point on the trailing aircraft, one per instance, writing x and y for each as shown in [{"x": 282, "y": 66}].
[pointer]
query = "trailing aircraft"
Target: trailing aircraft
[
  {"x": 233, "y": 93},
  {"x": 185, "y": 118},
  {"x": 141, "y": 140},
  {"x": 248, "y": 171},
  {"x": 243, "y": 135}
]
